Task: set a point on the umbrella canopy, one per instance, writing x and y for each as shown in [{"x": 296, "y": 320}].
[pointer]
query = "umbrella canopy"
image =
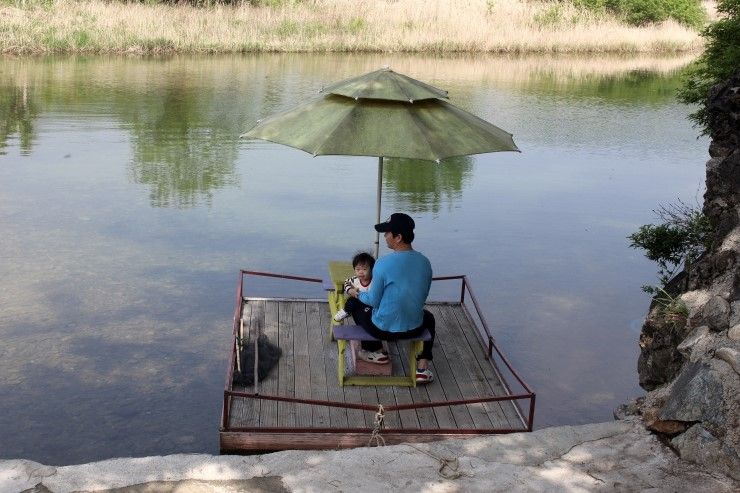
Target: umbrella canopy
[
  {"x": 429, "y": 129},
  {"x": 387, "y": 85},
  {"x": 383, "y": 114}
]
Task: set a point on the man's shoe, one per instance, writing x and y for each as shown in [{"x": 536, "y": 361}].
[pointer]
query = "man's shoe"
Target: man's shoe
[
  {"x": 377, "y": 357},
  {"x": 340, "y": 315},
  {"x": 424, "y": 376}
]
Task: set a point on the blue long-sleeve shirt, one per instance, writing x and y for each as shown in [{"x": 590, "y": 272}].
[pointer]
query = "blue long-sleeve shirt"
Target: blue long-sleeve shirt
[{"x": 400, "y": 286}]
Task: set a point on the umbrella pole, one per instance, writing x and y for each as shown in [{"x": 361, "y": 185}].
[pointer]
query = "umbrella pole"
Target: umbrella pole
[{"x": 377, "y": 204}]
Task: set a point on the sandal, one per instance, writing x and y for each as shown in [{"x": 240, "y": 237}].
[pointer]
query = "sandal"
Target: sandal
[{"x": 377, "y": 357}]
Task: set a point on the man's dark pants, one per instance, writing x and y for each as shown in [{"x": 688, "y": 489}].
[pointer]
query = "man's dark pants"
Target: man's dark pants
[{"x": 362, "y": 314}]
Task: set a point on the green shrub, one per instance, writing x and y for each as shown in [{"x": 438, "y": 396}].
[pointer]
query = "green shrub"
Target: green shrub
[
  {"x": 551, "y": 16},
  {"x": 640, "y": 12},
  {"x": 720, "y": 60},
  {"x": 683, "y": 236},
  {"x": 356, "y": 25}
]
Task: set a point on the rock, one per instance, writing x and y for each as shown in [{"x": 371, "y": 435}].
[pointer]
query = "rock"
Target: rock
[
  {"x": 734, "y": 333},
  {"x": 38, "y": 488},
  {"x": 15, "y": 475},
  {"x": 700, "y": 446},
  {"x": 696, "y": 396},
  {"x": 735, "y": 313},
  {"x": 666, "y": 427},
  {"x": 697, "y": 334},
  {"x": 695, "y": 301},
  {"x": 650, "y": 412},
  {"x": 731, "y": 356},
  {"x": 698, "y": 385},
  {"x": 716, "y": 314},
  {"x": 659, "y": 361},
  {"x": 613, "y": 456},
  {"x": 632, "y": 408}
]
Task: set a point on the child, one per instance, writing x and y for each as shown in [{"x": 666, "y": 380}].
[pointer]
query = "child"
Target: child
[{"x": 363, "y": 264}]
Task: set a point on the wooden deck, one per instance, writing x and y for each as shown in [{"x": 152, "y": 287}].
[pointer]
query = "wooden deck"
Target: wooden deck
[{"x": 308, "y": 370}]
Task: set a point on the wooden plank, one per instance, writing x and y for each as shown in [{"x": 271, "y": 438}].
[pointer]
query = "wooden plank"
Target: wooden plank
[
  {"x": 409, "y": 418},
  {"x": 444, "y": 378},
  {"x": 419, "y": 394},
  {"x": 302, "y": 364},
  {"x": 269, "y": 386},
  {"x": 472, "y": 336},
  {"x": 337, "y": 416},
  {"x": 476, "y": 372},
  {"x": 447, "y": 334},
  {"x": 253, "y": 329},
  {"x": 434, "y": 392},
  {"x": 369, "y": 395},
  {"x": 286, "y": 365},
  {"x": 239, "y": 410},
  {"x": 262, "y": 442},
  {"x": 472, "y": 339},
  {"x": 387, "y": 396},
  {"x": 316, "y": 333},
  {"x": 355, "y": 417}
]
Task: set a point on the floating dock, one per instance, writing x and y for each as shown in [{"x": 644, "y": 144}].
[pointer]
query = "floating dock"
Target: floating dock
[{"x": 300, "y": 404}]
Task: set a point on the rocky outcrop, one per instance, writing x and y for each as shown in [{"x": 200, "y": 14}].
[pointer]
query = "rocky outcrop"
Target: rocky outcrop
[
  {"x": 690, "y": 363},
  {"x": 615, "y": 456}
]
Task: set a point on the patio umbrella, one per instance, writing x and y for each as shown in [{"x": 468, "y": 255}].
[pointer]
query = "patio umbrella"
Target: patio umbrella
[{"x": 383, "y": 114}]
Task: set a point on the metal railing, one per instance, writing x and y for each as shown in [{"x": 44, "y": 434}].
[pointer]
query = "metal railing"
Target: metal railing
[{"x": 482, "y": 330}]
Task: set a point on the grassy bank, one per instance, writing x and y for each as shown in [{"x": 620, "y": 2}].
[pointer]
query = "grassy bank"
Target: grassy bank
[{"x": 424, "y": 26}]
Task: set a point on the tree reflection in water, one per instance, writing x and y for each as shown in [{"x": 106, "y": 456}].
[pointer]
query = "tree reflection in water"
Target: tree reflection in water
[
  {"x": 182, "y": 150},
  {"x": 424, "y": 186},
  {"x": 18, "y": 111}
]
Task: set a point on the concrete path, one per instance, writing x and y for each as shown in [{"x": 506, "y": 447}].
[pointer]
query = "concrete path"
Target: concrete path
[{"x": 614, "y": 456}]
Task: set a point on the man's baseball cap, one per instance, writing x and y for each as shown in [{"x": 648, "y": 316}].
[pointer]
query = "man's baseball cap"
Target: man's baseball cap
[{"x": 397, "y": 223}]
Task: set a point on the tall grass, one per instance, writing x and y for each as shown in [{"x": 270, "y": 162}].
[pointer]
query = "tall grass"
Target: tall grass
[{"x": 428, "y": 26}]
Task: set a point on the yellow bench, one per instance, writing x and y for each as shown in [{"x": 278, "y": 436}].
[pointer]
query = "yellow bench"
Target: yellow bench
[
  {"x": 345, "y": 333},
  {"x": 338, "y": 272}
]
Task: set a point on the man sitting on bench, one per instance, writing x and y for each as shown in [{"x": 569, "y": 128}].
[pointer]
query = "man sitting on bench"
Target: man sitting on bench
[{"x": 401, "y": 282}]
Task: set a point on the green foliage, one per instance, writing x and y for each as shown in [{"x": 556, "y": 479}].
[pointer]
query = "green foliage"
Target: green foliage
[
  {"x": 720, "y": 60},
  {"x": 672, "y": 309},
  {"x": 356, "y": 25},
  {"x": 288, "y": 28},
  {"x": 677, "y": 242},
  {"x": 19, "y": 111},
  {"x": 641, "y": 12},
  {"x": 23, "y": 4},
  {"x": 80, "y": 38},
  {"x": 271, "y": 3},
  {"x": 551, "y": 16}
]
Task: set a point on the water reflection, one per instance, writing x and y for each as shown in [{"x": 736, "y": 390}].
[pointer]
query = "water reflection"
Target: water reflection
[
  {"x": 18, "y": 112},
  {"x": 182, "y": 152},
  {"x": 424, "y": 186},
  {"x": 635, "y": 87},
  {"x": 119, "y": 266}
]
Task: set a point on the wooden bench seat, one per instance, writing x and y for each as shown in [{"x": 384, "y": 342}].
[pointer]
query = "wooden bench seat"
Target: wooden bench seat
[{"x": 349, "y": 333}]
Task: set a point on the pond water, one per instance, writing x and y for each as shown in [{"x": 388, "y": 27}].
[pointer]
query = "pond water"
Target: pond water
[{"x": 128, "y": 203}]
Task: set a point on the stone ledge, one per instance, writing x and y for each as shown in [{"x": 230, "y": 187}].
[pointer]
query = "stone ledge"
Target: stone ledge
[{"x": 619, "y": 455}]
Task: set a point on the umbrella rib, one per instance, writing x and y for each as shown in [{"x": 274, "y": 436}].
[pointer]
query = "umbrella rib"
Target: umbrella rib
[
  {"x": 402, "y": 90},
  {"x": 424, "y": 134},
  {"x": 330, "y": 133}
]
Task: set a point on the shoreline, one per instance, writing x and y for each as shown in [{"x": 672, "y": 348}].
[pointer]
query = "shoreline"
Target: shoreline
[
  {"x": 616, "y": 455},
  {"x": 434, "y": 27}
]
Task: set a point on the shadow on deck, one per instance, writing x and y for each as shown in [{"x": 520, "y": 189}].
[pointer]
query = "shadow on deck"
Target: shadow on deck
[{"x": 300, "y": 404}]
